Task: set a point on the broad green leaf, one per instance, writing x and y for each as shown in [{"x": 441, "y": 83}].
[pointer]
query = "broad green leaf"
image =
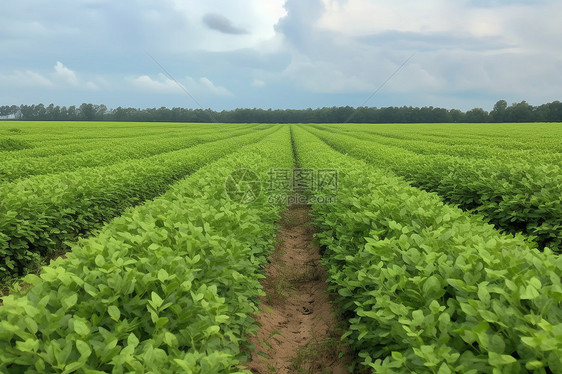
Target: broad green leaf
[
  {"x": 80, "y": 327},
  {"x": 132, "y": 340},
  {"x": 114, "y": 312},
  {"x": 162, "y": 275},
  {"x": 156, "y": 299},
  {"x": 83, "y": 348},
  {"x": 100, "y": 261},
  {"x": 500, "y": 360}
]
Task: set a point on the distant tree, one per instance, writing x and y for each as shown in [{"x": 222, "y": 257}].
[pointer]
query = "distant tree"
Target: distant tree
[
  {"x": 457, "y": 116},
  {"x": 476, "y": 115},
  {"x": 72, "y": 113},
  {"x": 87, "y": 112},
  {"x": 554, "y": 112},
  {"x": 6, "y": 110},
  {"x": 520, "y": 112},
  {"x": 100, "y": 110},
  {"x": 498, "y": 114},
  {"x": 53, "y": 113},
  {"x": 163, "y": 114},
  {"x": 39, "y": 112},
  {"x": 63, "y": 114},
  {"x": 119, "y": 114},
  {"x": 25, "y": 112},
  {"x": 441, "y": 115}
]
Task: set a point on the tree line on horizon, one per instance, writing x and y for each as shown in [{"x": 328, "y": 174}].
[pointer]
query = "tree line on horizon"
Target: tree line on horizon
[{"x": 516, "y": 112}]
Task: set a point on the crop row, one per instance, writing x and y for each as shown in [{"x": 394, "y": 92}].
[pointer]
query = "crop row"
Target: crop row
[
  {"x": 38, "y": 215},
  {"x": 53, "y": 132},
  {"x": 509, "y": 136},
  {"x": 102, "y": 135},
  {"x": 107, "y": 153},
  {"x": 415, "y": 142},
  {"x": 518, "y": 197},
  {"x": 428, "y": 288},
  {"x": 167, "y": 287}
]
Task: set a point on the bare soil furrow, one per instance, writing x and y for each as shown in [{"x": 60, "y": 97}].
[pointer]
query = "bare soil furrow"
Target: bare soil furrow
[{"x": 299, "y": 328}]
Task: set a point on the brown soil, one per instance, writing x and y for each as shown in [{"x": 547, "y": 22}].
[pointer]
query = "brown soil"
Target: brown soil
[{"x": 298, "y": 332}]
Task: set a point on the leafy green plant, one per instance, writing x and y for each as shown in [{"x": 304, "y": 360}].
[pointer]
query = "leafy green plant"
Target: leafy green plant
[
  {"x": 428, "y": 288},
  {"x": 167, "y": 287},
  {"x": 506, "y": 141},
  {"x": 39, "y": 215},
  {"x": 515, "y": 195},
  {"x": 108, "y": 152},
  {"x": 11, "y": 144}
]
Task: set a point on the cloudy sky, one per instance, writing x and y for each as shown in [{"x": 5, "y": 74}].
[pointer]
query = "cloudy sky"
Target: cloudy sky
[{"x": 280, "y": 53}]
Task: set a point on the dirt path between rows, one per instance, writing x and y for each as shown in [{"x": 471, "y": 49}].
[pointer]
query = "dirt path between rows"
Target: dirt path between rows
[{"x": 299, "y": 329}]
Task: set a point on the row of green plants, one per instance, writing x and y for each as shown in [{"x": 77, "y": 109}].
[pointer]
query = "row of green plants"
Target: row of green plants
[
  {"x": 518, "y": 196},
  {"x": 427, "y": 287},
  {"x": 168, "y": 287},
  {"x": 507, "y": 136},
  {"x": 9, "y": 143},
  {"x": 45, "y": 149},
  {"x": 414, "y": 141},
  {"x": 108, "y": 153},
  {"x": 50, "y": 139},
  {"x": 44, "y": 139},
  {"x": 56, "y": 132},
  {"x": 40, "y": 214}
]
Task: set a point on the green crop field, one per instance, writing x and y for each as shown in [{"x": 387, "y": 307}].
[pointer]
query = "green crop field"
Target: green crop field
[{"x": 139, "y": 247}]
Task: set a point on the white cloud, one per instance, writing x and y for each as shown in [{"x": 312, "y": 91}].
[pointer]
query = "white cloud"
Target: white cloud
[
  {"x": 359, "y": 17},
  {"x": 206, "y": 85},
  {"x": 186, "y": 30},
  {"x": 24, "y": 78},
  {"x": 64, "y": 74},
  {"x": 64, "y": 77},
  {"x": 325, "y": 51},
  {"x": 324, "y": 77},
  {"x": 529, "y": 25},
  {"x": 92, "y": 86},
  {"x": 61, "y": 78},
  {"x": 353, "y": 46},
  {"x": 163, "y": 84}
]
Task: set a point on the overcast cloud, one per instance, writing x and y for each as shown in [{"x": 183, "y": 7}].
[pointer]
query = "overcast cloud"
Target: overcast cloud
[
  {"x": 222, "y": 24},
  {"x": 280, "y": 54}
]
